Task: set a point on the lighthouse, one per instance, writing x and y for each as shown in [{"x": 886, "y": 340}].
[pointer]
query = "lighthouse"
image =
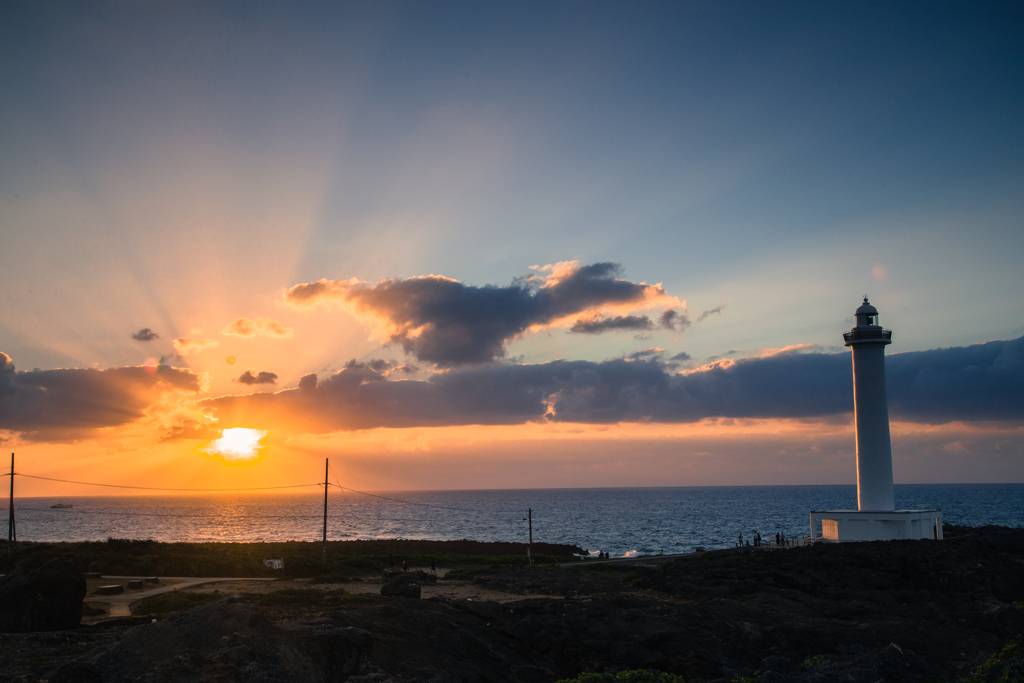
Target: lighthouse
[
  {"x": 871, "y": 410},
  {"x": 875, "y": 518}
]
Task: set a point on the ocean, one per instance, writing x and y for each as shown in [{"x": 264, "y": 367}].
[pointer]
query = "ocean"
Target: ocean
[{"x": 620, "y": 521}]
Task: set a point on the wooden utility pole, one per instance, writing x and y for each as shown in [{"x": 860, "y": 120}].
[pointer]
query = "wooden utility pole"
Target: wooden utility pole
[
  {"x": 12, "y": 532},
  {"x": 327, "y": 462},
  {"x": 529, "y": 549}
]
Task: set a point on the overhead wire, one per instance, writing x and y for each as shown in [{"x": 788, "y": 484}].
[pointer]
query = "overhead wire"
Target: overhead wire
[{"x": 161, "y": 488}]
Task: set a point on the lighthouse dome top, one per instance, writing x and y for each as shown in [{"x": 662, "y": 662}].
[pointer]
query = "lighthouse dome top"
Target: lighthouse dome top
[{"x": 866, "y": 309}]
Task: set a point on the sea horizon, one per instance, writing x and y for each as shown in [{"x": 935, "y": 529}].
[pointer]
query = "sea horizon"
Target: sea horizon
[{"x": 617, "y": 520}]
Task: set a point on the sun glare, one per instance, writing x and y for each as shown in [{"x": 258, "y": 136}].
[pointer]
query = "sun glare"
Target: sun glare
[{"x": 237, "y": 444}]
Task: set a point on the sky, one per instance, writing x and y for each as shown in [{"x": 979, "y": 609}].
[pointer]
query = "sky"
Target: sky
[{"x": 492, "y": 245}]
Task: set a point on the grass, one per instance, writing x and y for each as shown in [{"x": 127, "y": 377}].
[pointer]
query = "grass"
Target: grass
[
  {"x": 165, "y": 603},
  {"x": 301, "y": 559},
  {"x": 630, "y": 676}
]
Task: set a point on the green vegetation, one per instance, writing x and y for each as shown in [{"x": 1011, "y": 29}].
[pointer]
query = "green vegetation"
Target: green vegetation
[
  {"x": 301, "y": 559},
  {"x": 814, "y": 661},
  {"x": 462, "y": 573},
  {"x": 1015, "y": 648},
  {"x": 631, "y": 676},
  {"x": 165, "y": 603}
]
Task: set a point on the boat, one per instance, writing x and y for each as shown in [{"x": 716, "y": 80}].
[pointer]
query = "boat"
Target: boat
[{"x": 61, "y": 506}]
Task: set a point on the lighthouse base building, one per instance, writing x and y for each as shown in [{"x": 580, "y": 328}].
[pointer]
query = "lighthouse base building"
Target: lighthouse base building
[
  {"x": 875, "y": 518},
  {"x": 884, "y": 525}
]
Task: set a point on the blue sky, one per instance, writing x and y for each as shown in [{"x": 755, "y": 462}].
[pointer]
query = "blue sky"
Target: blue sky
[{"x": 178, "y": 165}]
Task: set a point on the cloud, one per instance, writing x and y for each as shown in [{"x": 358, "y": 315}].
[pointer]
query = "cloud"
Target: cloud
[
  {"x": 260, "y": 327},
  {"x": 446, "y": 322},
  {"x": 598, "y": 324},
  {"x": 187, "y": 346},
  {"x": 646, "y": 353},
  {"x": 716, "y": 310},
  {"x": 66, "y": 403},
  {"x": 262, "y": 378},
  {"x": 145, "y": 335},
  {"x": 191, "y": 429},
  {"x": 672, "y": 319},
  {"x": 681, "y": 356},
  {"x": 977, "y": 383}
]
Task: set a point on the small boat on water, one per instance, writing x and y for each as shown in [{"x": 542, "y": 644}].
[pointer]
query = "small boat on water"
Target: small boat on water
[{"x": 61, "y": 506}]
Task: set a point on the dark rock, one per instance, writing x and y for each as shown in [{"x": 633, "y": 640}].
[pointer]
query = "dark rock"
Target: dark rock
[
  {"x": 231, "y": 641},
  {"x": 401, "y": 589},
  {"x": 407, "y": 585},
  {"x": 48, "y": 599},
  {"x": 74, "y": 672}
]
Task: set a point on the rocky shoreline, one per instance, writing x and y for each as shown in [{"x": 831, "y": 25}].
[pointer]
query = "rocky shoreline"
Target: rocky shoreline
[{"x": 865, "y": 612}]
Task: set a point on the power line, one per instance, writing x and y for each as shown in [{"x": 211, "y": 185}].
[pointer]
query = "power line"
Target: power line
[{"x": 158, "y": 488}]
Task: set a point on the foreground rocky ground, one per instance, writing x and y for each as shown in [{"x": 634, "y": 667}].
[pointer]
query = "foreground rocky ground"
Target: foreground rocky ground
[{"x": 903, "y": 611}]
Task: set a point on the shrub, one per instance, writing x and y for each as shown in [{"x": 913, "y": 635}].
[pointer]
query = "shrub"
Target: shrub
[
  {"x": 630, "y": 676},
  {"x": 165, "y": 603}
]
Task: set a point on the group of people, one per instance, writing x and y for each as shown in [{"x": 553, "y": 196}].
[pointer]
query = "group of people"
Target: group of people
[{"x": 780, "y": 540}]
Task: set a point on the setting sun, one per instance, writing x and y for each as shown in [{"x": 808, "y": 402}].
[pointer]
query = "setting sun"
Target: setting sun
[{"x": 238, "y": 444}]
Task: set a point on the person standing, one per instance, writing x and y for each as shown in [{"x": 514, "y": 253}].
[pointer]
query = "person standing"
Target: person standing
[{"x": 778, "y": 540}]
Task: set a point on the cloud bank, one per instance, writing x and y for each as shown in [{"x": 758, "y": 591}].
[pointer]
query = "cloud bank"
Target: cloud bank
[
  {"x": 62, "y": 404},
  {"x": 450, "y": 324},
  {"x": 984, "y": 382}
]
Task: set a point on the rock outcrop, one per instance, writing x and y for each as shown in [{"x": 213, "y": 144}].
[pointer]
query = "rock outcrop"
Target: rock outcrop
[
  {"x": 48, "y": 599},
  {"x": 407, "y": 585}
]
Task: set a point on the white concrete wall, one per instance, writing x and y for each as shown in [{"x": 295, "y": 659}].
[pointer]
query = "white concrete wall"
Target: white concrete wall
[{"x": 871, "y": 411}]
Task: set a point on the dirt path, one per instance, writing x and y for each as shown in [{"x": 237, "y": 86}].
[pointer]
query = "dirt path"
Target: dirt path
[{"x": 120, "y": 605}]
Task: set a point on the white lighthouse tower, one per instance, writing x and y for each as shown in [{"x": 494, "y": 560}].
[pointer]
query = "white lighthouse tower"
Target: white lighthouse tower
[
  {"x": 871, "y": 410},
  {"x": 876, "y": 518}
]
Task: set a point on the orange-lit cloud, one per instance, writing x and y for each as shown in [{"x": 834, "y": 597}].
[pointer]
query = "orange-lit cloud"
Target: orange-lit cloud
[
  {"x": 58, "y": 405},
  {"x": 187, "y": 346},
  {"x": 260, "y": 327},
  {"x": 448, "y": 323}
]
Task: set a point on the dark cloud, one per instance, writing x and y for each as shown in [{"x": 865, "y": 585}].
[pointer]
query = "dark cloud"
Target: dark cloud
[
  {"x": 716, "y": 310},
  {"x": 597, "y": 325},
  {"x": 449, "y": 323},
  {"x": 145, "y": 335},
  {"x": 64, "y": 404},
  {"x": 646, "y": 353},
  {"x": 681, "y": 356},
  {"x": 977, "y": 383},
  {"x": 672, "y": 319},
  {"x": 262, "y": 378}
]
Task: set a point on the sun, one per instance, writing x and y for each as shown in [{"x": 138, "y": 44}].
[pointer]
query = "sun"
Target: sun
[{"x": 237, "y": 444}]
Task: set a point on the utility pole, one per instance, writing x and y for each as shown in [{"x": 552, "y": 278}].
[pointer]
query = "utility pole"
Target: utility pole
[
  {"x": 529, "y": 548},
  {"x": 327, "y": 462},
  {"x": 12, "y": 532}
]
